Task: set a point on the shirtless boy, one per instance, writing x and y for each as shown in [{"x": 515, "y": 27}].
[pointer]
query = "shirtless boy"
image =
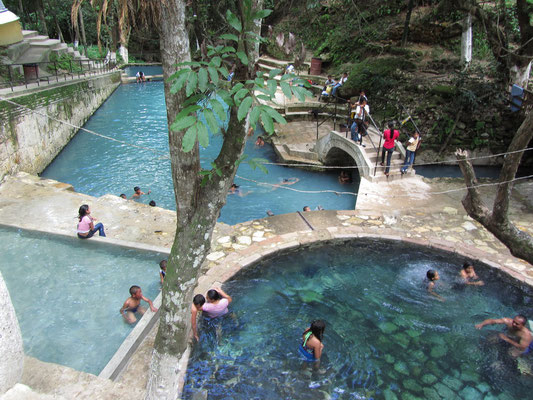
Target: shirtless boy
[
  {"x": 519, "y": 336},
  {"x": 138, "y": 192},
  {"x": 132, "y": 305}
]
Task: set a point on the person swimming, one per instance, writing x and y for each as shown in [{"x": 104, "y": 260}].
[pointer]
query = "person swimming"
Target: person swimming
[
  {"x": 312, "y": 346},
  {"x": 469, "y": 276},
  {"x": 433, "y": 277}
]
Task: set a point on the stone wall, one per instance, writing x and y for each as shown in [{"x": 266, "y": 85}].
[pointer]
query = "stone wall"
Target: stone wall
[{"x": 29, "y": 141}]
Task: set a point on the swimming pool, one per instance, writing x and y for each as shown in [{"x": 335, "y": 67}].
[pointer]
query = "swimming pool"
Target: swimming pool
[
  {"x": 67, "y": 294},
  {"x": 384, "y": 338},
  {"x": 146, "y": 69},
  {"x": 137, "y": 114}
]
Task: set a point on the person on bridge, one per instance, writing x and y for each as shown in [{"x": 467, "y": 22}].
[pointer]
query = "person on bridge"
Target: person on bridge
[
  {"x": 358, "y": 127},
  {"x": 390, "y": 135},
  {"x": 412, "y": 147}
]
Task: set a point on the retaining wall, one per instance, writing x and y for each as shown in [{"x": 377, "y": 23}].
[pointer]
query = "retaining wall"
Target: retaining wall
[{"x": 30, "y": 140}]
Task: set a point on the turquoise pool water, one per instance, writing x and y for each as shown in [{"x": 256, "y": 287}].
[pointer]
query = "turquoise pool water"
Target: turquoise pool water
[
  {"x": 384, "y": 338},
  {"x": 147, "y": 69},
  {"x": 67, "y": 295},
  {"x": 136, "y": 114}
]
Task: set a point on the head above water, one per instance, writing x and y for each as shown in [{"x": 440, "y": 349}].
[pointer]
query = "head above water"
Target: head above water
[
  {"x": 213, "y": 295},
  {"x": 467, "y": 265},
  {"x": 317, "y": 328},
  {"x": 519, "y": 321},
  {"x": 152, "y": 203},
  {"x": 306, "y": 208},
  {"x": 123, "y": 196},
  {"x": 432, "y": 275},
  {"x": 163, "y": 265},
  {"x": 136, "y": 189},
  {"x": 134, "y": 290},
  {"x": 198, "y": 300}
]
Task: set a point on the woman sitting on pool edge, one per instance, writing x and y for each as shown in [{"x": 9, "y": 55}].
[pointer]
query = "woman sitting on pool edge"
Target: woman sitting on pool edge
[
  {"x": 86, "y": 227},
  {"x": 312, "y": 346}
]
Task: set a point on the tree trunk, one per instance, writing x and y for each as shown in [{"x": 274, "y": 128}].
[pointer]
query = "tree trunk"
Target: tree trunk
[
  {"x": 197, "y": 208},
  {"x": 519, "y": 243},
  {"x": 21, "y": 14},
  {"x": 123, "y": 32},
  {"x": 519, "y": 74},
  {"x": 405, "y": 35},
  {"x": 466, "y": 41},
  {"x": 257, "y": 5},
  {"x": 40, "y": 12},
  {"x": 82, "y": 30}
]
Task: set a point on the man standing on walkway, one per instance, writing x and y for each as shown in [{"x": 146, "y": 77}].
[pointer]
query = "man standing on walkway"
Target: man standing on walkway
[{"x": 412, "y": 146}]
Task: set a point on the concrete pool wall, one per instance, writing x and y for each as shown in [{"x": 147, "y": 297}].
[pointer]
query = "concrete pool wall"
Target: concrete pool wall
[{"x": 29, "y": 141}]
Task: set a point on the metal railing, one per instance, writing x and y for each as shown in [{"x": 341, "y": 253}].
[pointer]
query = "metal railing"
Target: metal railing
[{"x": 53, "y": 71}]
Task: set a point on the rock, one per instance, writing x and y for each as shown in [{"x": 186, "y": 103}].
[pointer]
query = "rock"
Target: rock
[
  {"x": 439, "y": 351},
  {"x": 429, "y": 379},
  {"x": 469, "y": 393},
  {"x": 217, "y": 255},
  {"x": 445, "y": 391},
  {"x": 450, "y": 210},
  {"x": 413, "y": 333},
  {"x": 402, "y": 339},
  {"x": 469, "y": 376},
  {"x": 410, "y": 384},
  {"x": 483, "y": 387},
  {"x": 419, "y": 356},
  {"x": 387, "y": 327},
  {"x": 461, "y": 125},
  {"x": 469, "y": 226},
  {"x": 389, "y": 359},
  {"x": 431, "y": 394},
  {"x": 409, "y": 396},
  {"x": 401, "y": 367},
  {"x": 224, "y": 239},
  {"x": 244, "y": 240},
  {"x": 389, "y": 395},
  {"x": 452, "y": 383}
]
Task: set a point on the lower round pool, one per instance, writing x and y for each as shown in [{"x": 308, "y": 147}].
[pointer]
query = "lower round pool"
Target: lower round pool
[{"x": 385, "y": 336}]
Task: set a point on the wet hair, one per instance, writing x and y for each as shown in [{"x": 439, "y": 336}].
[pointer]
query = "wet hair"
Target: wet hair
[
  {"x": 163, "y": 264},
  {"x": 306, "y": 208},
  {"x": 431, "y": 274},
  {"x": 234, "y": 185},
  {"x": 136, "y": 188},
  {"x": 467, "y": 264},
  {"x": 212, "y": 294},
  {"x": 134, "y": 289},
  {"x": 82, "y": 212},
  {"x": 152, "y": 203},
  {"x": 317, "y": 328},
  {"x": 122, "y": 195},
  {"x": 523, "y": 318},
  {"x": 198, "y": 300}
]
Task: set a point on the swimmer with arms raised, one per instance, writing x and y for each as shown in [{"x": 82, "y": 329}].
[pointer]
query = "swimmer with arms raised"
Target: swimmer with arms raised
[
  {"x": 312, "y": 346},
  {"x": 520, "y": 337}
]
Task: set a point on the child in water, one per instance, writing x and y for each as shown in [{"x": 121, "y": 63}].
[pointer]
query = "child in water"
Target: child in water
[
  {"x": 132, "y": 305},
  {"x": 469, "y": 276},
  {"x": 433, "y": 277},
  {"x": 312, "y": 346},
  {"x": 162, "y": 270}
]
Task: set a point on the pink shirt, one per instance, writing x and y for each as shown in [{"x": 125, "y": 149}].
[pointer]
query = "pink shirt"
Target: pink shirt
[
  {"x": 84, "y": 226},
  {"x": 214, "y": 310},
  {"x": 389, "y": 141}
]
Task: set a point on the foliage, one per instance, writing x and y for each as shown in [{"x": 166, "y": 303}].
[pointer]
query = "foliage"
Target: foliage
[
  {"x": 63, "y": 62},
  {"x": 209, "y": 91}
]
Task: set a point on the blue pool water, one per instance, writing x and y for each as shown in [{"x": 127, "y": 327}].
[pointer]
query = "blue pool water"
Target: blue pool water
[
  {"x": 385, "y": 336},
  {"x": 146, "y": 69},
  {"x": 136, "y": 114},
  {"x": 67, "y": 294}
]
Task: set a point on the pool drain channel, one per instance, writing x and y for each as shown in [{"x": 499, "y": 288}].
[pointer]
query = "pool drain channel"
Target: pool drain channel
[{"x": 305, "y": 220}]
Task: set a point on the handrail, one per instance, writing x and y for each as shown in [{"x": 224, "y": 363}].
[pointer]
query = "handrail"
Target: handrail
[
  {"x": 333, "y": 115},
  {"x": 84, "y": 67}
]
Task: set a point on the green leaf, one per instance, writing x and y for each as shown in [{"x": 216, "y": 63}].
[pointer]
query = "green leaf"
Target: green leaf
[
  {"x": 229, "y": 36},
  {"x": 274, "y": 114},
  {"x": 301, "y": 93},
  {"x": 177, "y": 74},
  {"x": 264, "y": 97},
  {"x": 203, "y": 135},
  {"x": 261, "y": 14},
  {"x": 243, "y": 108},
  {"x": 240, "y": 160},
  {"x": 191, "y": 83},
  {"x": 215, "y": 61},
  {"x": 243, "y": 57},
  {"x": 202, "y": 79},
  {"x": 193, "y": 100},
  {"x": 286, "y": 89},
  {"x": 240, "y": 94},
  {"x": 258, "y": 163},
  {"x": 260, "y": 82},
  {"x": 218, "y": 108},
  {"x": 188, "y": 110},
  {"x": 273, "y": 72},
  {"x": 254, "y": 116},
  {"x": 223, "y": 71},
  {"x": 180, "y": 124},
  {"x": 228, "y": 49},
  {"x": 236, "y": 88},
  {"x": 177, "y": 85},
  {"x": 272, "y": 86},
  {"x": 213, "y": 74},
  {"x": 268, "y": 124},
  {"x": 190, "y": 63},
  {"x": 211, "y": 121},
  {"x": 233, "y": 21},
  {"x": 189, "y": 139}
]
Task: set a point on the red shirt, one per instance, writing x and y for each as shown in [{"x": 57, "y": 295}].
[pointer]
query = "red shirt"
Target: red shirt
[{"x": 389, "y": 141}]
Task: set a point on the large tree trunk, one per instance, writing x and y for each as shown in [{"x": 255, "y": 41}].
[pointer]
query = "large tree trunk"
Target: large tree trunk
[
  {"x": 40, "y": 12},
  {"x": 519, "y": 243},
  {"x": 123, "y": 31},
  {"x": 405, "y": 35},
  {"x": 82, "y": 30},
  {"x": 466, "y": 41},
  {"x": 197, "y": 208}
]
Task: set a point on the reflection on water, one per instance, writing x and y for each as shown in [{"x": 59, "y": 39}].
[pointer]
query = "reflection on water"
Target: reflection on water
[
  {"x": 384, "y": 333},
  {"x": 136, "y": 113}
]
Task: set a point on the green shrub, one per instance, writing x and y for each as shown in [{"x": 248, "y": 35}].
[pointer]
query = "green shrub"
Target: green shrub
[{"x": 63, "y": 62}]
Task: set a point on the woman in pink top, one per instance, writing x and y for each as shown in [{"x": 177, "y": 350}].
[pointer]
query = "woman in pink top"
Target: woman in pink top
[
  {"x": 217, "y": 303},
  {"x": 86, "y": 227},
  {"x": 390, "y": 135}
]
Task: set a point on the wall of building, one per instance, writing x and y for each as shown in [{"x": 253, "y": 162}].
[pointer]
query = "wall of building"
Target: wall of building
[{"x": 30, "y": 140}]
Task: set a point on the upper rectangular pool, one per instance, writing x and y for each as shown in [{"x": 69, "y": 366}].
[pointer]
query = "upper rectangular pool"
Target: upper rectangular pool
[{"x": 67, "y": 294}]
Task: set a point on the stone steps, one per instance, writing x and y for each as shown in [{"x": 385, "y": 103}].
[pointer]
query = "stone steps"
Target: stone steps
[{"x": 29, "y": 34}]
